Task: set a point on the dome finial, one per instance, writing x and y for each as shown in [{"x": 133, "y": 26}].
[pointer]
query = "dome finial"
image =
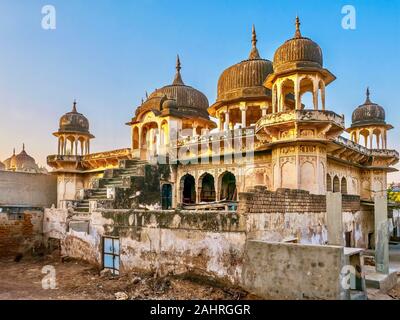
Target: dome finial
[
  {"x": 178, "y": 78},
  {"x": 298, "y": 33},
  {"x": 254, "y": 51},
  {"x": 14, "y": 152},
  {"x": 367, "y": 100},
  {"x": 74, "y": 106},
  {"x": 23, "y": 146}
]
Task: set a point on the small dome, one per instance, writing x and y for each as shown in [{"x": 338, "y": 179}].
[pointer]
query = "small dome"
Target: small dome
[
  {"x": 245, "y": 77},
  {"x": 368, "y": 113},
  {"x": 298, "y": 52},
  {"x": 169, "y": 103},
  {"x": 74, "y": 122}
]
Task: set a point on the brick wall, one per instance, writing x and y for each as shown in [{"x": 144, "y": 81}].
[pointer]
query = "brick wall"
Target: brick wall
[
  {"x": 20, "y": 236},
  {"x": 260, "y": 200},
  {"x": 350, "y": 203}
]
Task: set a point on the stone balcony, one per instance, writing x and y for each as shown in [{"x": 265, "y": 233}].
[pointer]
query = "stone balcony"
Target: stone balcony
[
  {"x": 307, "y": 116},
  {"x": 93, "y": 161}
]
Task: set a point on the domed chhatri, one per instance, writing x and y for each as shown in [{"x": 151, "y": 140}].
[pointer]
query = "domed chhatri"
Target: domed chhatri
[
  {"x": 242, "y": 99},
  {"x": 368, "y": 122},
  {"x": 73, "y": 130},
  {"x": 245, "y": 78},
  {"x": 368, "y": 113},
  {"x": 298, "y": 52},
  {"x": 298, "y": 68}
]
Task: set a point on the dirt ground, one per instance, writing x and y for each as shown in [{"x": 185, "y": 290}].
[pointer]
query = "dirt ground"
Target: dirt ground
[{"x": 77, "y": 280}]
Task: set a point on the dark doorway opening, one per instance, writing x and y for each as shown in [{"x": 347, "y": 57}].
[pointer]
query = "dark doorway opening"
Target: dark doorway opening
[
  {"x": 189, "y": 190},
  {"x": 228, "y": 187},
  {"x": 166, "y": 196},
  {"x": 207, "y": 188}
]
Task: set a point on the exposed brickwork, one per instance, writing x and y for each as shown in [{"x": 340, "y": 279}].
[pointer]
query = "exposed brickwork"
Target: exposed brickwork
[
  {"x": 19, "y": 236},
  {"x": 350, "y": 203},
  {"x": 260, "y": 200}
]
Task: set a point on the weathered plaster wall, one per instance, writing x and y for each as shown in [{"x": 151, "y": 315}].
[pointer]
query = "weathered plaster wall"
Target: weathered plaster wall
[
  {"x": 292, "y": 271},
  {"x": 30, "y": 189},
  {"x": 290, "y": 213},
  {"x": 18, "y": 236},
  {"x": 208, "y": 243}
]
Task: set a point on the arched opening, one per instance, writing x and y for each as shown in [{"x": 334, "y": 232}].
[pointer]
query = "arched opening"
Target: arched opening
[
  {"x": 328, "y": 183},
  {"x": 260, "y": 179},
  {"x": 166, "y": 196},
  {"x": 307, "y": 176},
  {"x": 287, "y": 88},
  {"x": 306, "y": 93},
  {"x": 321, "y": 88},
  {"x": 61, "y": 146},
  {"x": 207, "y": 188},
  {"x": 364, "y": 133},
  {"x": 188, "y": 187},
  {"x": 343, "y": 185},
  {"x": 365, "y": 190},
  {"x": 377, "y": 134},
  {"x": 336, "y": 184},
  {"x": 228, "y": 186},
  {"x": 135, "y": 138},
  {"x": 288, "y": 175}
]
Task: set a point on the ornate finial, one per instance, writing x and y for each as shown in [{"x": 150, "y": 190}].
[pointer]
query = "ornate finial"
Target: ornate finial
[
  {"x": 367, "y": 100},
  {"x": 14, "y": 152},
  {"x": 254, "y": 52},
  {"x": 23, "y": 147},
  {"x": 298, "y": 33},
  {"x": 147, "y": 95},
  {"x": 142, "y": 100},
  {"x": 74, "y": 106},
  {"x": 178, "y": 78}
]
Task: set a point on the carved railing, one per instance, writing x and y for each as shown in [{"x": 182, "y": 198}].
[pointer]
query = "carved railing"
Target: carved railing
[
  {"x": 368, "y": 152},
  {"x": 108, "y": 154},
  {"x": 214, "y": 137},
  {"x": 70, "y": 158},
  {"x": 299, "y": 115}
]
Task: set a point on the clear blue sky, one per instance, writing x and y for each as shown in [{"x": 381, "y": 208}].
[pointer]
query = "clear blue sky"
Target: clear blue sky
[{"x": 106, "y": 54}]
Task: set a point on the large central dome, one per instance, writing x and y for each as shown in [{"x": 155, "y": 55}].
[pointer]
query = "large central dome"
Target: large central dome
[{"x": 245, "y": 77}]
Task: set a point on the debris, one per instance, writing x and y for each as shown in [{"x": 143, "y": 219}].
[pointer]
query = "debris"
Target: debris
[{"x": 121, "y": 296}]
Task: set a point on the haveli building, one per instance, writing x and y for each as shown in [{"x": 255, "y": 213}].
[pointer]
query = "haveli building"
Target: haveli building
[{"x": 268, "y": 159}]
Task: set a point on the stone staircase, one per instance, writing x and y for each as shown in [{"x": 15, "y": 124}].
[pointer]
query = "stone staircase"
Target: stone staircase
[{"x": 112, "y": 178}]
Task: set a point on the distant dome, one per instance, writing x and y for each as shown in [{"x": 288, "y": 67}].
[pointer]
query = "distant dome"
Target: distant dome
[
  {"x": 246, "y": 77},
  {"x": 25, "y": 162},
  {"x": 74, "y": 122},
  {"x": 368, "y": 113},
  {"x": 297, "y": 52},
  {"x": 21, "y": 162},
  {"x": 10, "y": 162}
]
